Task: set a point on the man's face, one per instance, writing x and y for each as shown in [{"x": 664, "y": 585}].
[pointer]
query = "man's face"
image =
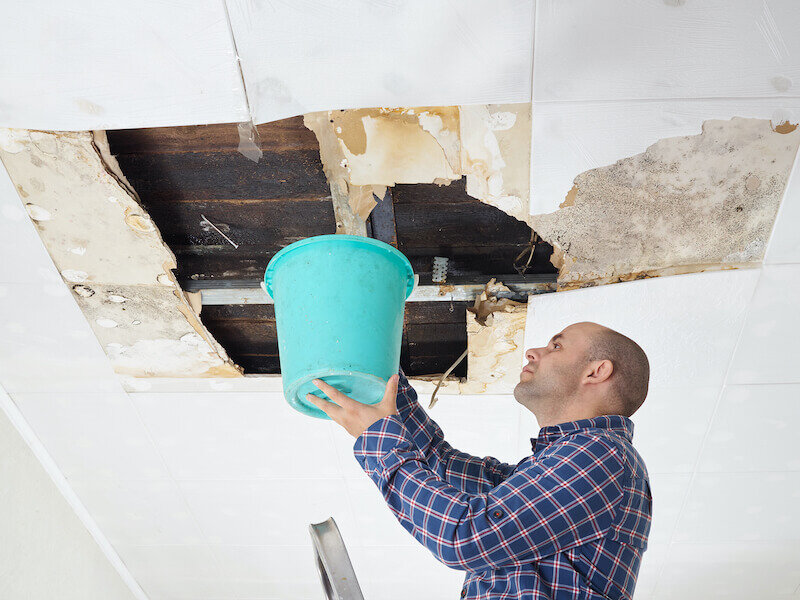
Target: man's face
[{"x": 553, "y": 372}]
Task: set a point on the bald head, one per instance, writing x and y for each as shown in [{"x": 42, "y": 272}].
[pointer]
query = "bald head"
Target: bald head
[
  {"x": 631, "y": 373},
  {"x": 584, "y": 371}
]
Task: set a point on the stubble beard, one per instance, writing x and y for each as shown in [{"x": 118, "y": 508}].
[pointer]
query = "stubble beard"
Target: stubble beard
[{"x": 545, "y": 393}]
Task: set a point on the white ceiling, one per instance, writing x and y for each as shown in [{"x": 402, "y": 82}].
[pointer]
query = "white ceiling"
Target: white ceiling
[{"x": 206, "y": 493}]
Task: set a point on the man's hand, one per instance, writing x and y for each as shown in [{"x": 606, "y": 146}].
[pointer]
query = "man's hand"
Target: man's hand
[{"x": 354, "y": 416}]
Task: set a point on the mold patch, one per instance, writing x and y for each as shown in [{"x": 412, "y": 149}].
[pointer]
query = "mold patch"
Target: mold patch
[{"x": 686, "y": 204}]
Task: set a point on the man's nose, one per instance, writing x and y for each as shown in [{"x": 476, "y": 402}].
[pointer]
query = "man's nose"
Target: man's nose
[{"x": 533, "y": 354}]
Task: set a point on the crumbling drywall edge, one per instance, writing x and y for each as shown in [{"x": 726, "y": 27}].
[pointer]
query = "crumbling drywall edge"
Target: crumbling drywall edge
[
  {"x": 111, "y": 165},
  {"x": 76, "y": 197}
]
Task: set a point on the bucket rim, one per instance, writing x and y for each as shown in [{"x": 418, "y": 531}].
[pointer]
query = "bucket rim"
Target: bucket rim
[{"x": 377, "y": 244}]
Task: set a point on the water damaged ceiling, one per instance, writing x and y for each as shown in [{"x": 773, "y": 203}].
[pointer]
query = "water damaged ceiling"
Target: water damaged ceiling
[
  {"x": 163, "y": 234},
  {"x": 143, "y": 223}
]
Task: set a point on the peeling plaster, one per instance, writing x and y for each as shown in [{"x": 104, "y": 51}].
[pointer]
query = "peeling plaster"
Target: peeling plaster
[
  {"x": 495, "y": 341},
  {"x": 686, "y": 204},
  {"x": 111, "y": 255},
  {"x": 365, "y": 150},
  {"x": 495, "y": 338},
  {"x": 334, "y": 163},
  {"x": 496, "y": 154}
]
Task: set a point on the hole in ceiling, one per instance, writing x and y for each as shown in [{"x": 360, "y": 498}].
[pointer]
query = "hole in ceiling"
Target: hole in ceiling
[{"x": 224, "y": 217}]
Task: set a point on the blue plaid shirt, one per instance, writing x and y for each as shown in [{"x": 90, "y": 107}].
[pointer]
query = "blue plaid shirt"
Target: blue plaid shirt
[{"x": 570, "y": 521}]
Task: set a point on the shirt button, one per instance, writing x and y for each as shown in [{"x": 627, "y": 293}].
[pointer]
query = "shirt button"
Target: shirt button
[{"x": 497, "y": 514}]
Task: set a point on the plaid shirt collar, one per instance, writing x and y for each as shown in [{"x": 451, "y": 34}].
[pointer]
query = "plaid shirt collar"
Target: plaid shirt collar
[{"x": 619, "y": 424}]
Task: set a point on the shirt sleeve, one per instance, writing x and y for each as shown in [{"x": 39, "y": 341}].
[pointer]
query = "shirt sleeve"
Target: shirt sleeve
[
  {"x": 563, "y": 500},
  {"x": 463, "y": 471}
]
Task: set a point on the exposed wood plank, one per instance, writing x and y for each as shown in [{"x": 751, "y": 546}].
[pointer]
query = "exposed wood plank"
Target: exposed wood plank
[
  {"x": 433, "y": 337},
  {"x": 256, "y": 228},
  {"x": 457, "y": 224},
  {"x": 286, "y": 135},
  {"x": 382, "y": 222},
  {"x": 424, "y": 313},
  {"x": 181, "y": 176},
  {"x": 422, "y": 193}
]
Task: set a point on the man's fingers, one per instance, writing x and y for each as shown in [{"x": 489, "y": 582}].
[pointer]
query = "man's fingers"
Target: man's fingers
[
  {"x": 326, "y": 406},
  {"x": 391, "y": 387},
  {"x": 334, "y": 394}
]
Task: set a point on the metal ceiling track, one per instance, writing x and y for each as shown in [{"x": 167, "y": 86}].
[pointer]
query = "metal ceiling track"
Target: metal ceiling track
[{"x": 252, "y": 292}]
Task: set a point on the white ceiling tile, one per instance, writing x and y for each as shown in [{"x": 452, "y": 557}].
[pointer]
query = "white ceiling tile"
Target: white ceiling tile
[
  {"x": 429, "y": 579},
  {"x": 572, "y": 137},
  {"x": 76, "y": 68},
  {"x": 687, "y": 324},
  {"x": 343, "y": 444},
  {"x": 697, "y": 571},
  {"x": 753, "y": 430},
  {"x": 668, "y": 441},
  {"x": 270, "y": 384},
  {"x": 622, "y": 50},
  {"x": 234, "y": 435},
  {"x": 649, "y": 570},
  {"x": 47, "y": 344},
  {"x": 297, "y": 57},
  {"x": 784, "y": 244},
  {"x": 257, "y": 572},
  {"x": 93, "y": 436},
  {"x": 139, "y": 513},
  {"x": 669, "y": 491},
  {"x": 267, "y": 512},
  {"x": 481, "y": 425},
  {"x": 30, "y": 255},
  {"x": 29, "y": 262},
  {"x": 375, "y": 524},
  {"x": 767, "y": 351},
  {"x": 728, "y": 507},
  {"x": 176, "y": 572}
]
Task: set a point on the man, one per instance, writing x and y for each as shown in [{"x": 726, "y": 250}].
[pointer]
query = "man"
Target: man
[{"x": 570, "y": 521}]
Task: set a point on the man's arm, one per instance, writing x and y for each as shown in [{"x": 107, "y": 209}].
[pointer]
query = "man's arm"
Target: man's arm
[
  {"x": 463, "y": 471},
  {"x": 565, "y": 500}
]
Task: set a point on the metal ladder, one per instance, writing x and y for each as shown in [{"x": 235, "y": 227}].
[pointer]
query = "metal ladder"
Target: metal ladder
[{"x": 333, "y": 563}]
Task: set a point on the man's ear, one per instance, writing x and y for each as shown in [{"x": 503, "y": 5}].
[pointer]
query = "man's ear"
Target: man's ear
[{"x": 600, "y": 371}]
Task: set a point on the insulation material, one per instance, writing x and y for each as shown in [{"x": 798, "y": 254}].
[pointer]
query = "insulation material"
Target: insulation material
[
  {"x": 365, "y": 150},
  {"x": 70, "y": 66},
  {"x": 686, "y": 204},
  {"x": 110, "y": 254}
]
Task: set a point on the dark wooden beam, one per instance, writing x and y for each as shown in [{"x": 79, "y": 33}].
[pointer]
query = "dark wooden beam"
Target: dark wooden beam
[{"x": 381, "y": 220}]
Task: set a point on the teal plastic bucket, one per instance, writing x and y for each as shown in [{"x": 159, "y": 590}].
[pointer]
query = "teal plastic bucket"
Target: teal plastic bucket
[{"x": 339, "y": 305}]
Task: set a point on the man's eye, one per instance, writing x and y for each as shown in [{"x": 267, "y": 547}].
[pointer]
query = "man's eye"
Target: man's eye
[{"x": 556, "y": 345}]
